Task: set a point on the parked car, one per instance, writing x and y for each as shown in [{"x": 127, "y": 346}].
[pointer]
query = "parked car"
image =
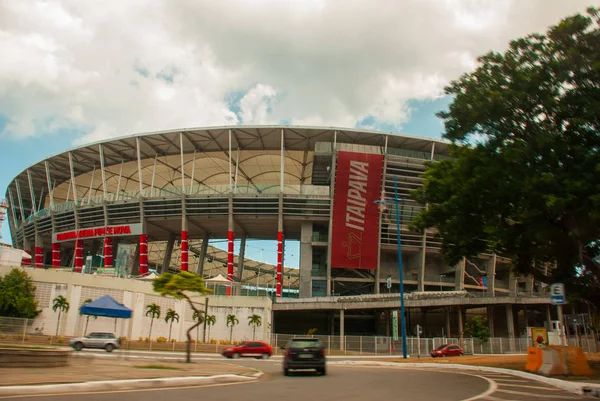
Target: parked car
[
  {"x": 256, "y": 349},
  {"x": 107, "y": 341},
  {"x": 447, "y": 350},
  {"x": 304, "y": 353}
]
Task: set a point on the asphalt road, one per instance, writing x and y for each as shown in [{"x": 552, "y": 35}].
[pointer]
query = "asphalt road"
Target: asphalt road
[{"x": 347, "y": 383}]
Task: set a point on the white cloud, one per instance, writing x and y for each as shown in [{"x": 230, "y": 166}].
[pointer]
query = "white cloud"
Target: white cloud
[{"x": 145, "y": 65}]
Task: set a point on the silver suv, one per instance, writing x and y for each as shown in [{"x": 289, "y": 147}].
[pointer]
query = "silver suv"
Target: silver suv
[{"x": 107, "y": 341}]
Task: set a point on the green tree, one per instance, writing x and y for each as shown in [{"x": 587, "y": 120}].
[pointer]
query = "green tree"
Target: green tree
[
  {"x": 153, "y": 311},
  {"x": 524, "y": 180},
  {"x": 210, "y": 321},
  {"x": 61, "y": 305},
  {"x": 87, "y": 319},
  {"x": 231, "y": 322},
  {"x": 182, "y": 286},
  {"x": 479, "y": 329},
  {"x": 254, "y": 321},
  {"x": 170, "y": 317},
  {"x": 198, "y": 316},
  {"x": 17, "y": 295}
]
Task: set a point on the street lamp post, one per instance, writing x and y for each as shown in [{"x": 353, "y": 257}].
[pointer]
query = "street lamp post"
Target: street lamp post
[{"x": 397, "y": 201}]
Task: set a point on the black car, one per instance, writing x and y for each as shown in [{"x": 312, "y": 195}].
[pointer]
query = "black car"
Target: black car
[{"x": 304, "y": 353}]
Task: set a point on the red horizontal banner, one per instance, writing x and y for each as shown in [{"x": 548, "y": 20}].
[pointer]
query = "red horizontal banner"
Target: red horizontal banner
[
  {"x": 93, "y": 232},
  {"x": 355, "y": 215}
]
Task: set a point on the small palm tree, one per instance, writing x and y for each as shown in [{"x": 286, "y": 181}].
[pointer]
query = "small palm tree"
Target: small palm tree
[
  {"x": 61, "y": 305},
  {"x": 171, "y": 316},
  {"x": 198, "y": 316},
  {"x": 153, "y": 311},
  {"x": 87, "y": 319},
  {"x": 210, "y": 321},
  {"x": 231, "y": 321},
  {"x": 254, "y": 321}
]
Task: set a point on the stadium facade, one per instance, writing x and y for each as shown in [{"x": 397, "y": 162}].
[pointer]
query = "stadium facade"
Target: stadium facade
[{"x": 151, "y": 200}]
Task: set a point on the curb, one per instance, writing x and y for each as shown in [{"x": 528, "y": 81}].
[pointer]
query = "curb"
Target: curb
[
  {"x": 573, "y": 387},
  {"x": 117, "y": 385}
]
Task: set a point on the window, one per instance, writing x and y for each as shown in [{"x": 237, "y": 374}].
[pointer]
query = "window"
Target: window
[
  {"x": 319, "y": 288},
  {"x": 308, "y": 343}
]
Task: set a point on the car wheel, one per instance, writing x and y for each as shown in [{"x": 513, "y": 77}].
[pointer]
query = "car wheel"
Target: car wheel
[
  {"x": 235, "y": 355},
  {"x": 286, "y": 372},
  {"x": 109, "y": 347},
  {"x": 265, "y": 356},
  {"x": 78, "y": 346},
  {"x": 322, "y": 371},
  {"x": 461, "y": 354}
]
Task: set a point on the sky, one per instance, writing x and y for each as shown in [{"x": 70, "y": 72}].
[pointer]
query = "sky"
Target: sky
[{"x": 72, "y": 73}]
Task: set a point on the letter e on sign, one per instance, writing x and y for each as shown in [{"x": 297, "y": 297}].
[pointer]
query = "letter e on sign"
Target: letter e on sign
[{"x": 557, "y": 294}]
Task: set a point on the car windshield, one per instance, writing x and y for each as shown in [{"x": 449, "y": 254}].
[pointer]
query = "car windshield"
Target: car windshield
[
  {"x": 441, "y": 347},
  {"x": 304, "y": 343}
]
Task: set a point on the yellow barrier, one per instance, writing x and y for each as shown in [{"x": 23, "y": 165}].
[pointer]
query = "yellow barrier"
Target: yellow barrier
[
  {"x": 534, "y": 359},
  {"x": 555, "y": 360}
]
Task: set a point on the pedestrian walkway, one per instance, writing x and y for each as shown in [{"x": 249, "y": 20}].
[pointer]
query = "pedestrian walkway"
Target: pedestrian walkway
[{"x": 87, "y": 369}]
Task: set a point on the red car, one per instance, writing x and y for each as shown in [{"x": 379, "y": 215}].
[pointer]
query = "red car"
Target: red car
[
  {"x": 253, "y": 349},
  {"x": 447, "y": 350}
]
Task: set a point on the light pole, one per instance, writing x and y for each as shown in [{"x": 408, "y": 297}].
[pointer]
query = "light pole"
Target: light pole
[{"x": 396, "y": 200}]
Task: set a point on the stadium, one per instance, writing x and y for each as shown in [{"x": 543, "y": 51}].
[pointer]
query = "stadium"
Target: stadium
[{"x": 129, "y": 206}]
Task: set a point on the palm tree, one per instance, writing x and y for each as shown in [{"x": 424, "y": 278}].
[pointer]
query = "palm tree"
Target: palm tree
[
  {"x": 254, "y": 321},
  {"x": 61, "y": 304},
  {"x": 171, "y": 315},
  {"x": 231, "y": 321},
  {"x": 153, "y": 311},
  {"x": 210, "y": 321},
  {"x": 87, "y": 319},
  {"x": 199, "y": 317}
]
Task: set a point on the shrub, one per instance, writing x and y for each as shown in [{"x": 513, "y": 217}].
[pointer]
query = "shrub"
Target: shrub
[
  {"x": 141, "y": 339},
  {"x": 161, "y": 339},
  {"x": 213, "y": 341},
  {"x": 224, "y": 342}
]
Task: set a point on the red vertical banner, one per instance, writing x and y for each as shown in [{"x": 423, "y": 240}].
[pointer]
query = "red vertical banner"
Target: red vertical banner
[
  {"x": 78, "y": 256},
  {"x": 229, "y": 260},
  {"x": 355, "y": 215},
  {"x": 56, "y": 254},
  {"x": 184, "y": 251},
  {"x": 143, "y": 253},
  {"x": 39, "y": 257},
  {"x": 108, "y": 252},
  {"x": 278, "y": 291}
]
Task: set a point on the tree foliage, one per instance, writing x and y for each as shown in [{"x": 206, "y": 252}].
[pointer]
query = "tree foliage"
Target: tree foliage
[
  {"x": 171, "y": 316},
  {"x": 478, "y": 328},
  {"x": 182, "y": 286},
  {"x": 17, "y": 295},
  {"x": 255, "y": 321},
  {"x": 61, "y": 305},
  {"x": 524, "y": 180},
  {"x": 232, "y": 320}
]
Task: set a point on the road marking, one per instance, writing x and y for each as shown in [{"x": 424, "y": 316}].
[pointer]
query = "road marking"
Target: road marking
[
  {"x": 531, "y": 387},
  {"x": 558, "y": 397},
  {"x": 142, "y": 390}
]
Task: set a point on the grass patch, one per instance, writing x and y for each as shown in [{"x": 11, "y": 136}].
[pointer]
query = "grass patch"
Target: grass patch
[{"x": 160, "y": 367}]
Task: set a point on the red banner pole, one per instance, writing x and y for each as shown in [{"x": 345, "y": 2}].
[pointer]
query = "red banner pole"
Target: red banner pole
[
  {"x": 56, "y": 254},
  {"x": 278, "y": 291},
  {"x": 229, "y": 260},
  {"x": 108, "y": 252},
  {"x": 184, "y": 251},
  {"x": 143, "y": 253}
]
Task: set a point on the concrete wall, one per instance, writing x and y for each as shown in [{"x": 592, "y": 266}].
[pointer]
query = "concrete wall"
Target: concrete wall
[{"x": 136, "y": 295}]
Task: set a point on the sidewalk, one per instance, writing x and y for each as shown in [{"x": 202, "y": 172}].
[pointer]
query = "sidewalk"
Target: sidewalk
[{"x": 91, "y": 369}]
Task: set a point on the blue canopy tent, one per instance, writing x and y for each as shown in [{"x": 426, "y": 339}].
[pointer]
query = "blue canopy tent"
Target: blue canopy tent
[{"x": 105, "y": 306}]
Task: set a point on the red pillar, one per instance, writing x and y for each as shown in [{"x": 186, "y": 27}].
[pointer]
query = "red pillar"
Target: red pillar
[
  {"x": 143, "y": 253},
  {"x": 39, "y": 257},
  {"x": 229, "y": 259},
  {"x": 279, "y": 263},
  {"x": 184, "y": 251},
  {"x": 27, "y": 261},
  {"x": 56, "y": 254},
  {"x": 108, "y": 252},
  {"x": 78, "y": 255}
]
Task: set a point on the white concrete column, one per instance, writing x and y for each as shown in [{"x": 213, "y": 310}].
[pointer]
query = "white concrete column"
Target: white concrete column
[
  {"x": 459, "y": 279},
  {"x": 342, "y": 330},
  {"x": 491, "y": 275},
  {"x": 490, "y": 317},
  {"x": 306, "y": 257},
  {"x": 71, "y": 318},
  {"x": 460, "y": 322}
]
